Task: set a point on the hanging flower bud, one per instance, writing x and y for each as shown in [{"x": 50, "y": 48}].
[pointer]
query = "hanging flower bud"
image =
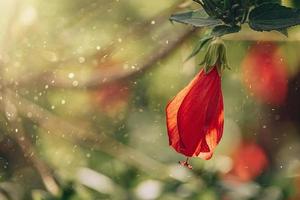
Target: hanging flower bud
[{"x": 195, "y": 115}]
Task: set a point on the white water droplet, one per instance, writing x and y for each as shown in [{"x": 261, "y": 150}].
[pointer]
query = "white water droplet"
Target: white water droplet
[
  {"x": 71, "y": 75},
  {"x": 81, "y": 59},
  {"x": 75, "y": 83}
]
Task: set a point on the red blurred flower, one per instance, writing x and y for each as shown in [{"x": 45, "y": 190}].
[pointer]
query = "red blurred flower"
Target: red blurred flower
[
  {"x": 112, "y": 99},
  {"x": 264, "y": 73},
  {"x": 249, "y": 161},
  {"x": 195, "y": 116}
]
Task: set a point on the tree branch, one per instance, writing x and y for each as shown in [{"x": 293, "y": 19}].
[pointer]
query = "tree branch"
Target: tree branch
[
  {"x": 29, "y": 152},
  {"x": 100, "y": 79},
  {"x": 136, "y": 31},
  {"x": 89, "y": 139}
]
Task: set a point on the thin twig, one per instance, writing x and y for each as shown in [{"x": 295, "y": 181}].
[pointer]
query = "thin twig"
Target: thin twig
[
  {"x": 17, "y": 131},
  {"x": 30, "y": 153}
]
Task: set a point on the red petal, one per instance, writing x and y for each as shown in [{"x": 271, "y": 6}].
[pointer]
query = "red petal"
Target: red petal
[
  {"x": 171, "y": 114},
  {"x": 195, "y": 116}
]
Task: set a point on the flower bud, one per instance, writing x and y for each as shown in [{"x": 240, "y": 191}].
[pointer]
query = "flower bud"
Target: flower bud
[{"x": 215, "y": 56}]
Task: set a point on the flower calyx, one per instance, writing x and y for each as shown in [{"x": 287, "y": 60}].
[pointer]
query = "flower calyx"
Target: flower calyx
[{"x": 215, "y": 56}]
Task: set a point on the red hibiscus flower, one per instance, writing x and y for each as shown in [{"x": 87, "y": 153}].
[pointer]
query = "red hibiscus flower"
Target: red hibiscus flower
[
  {"x": 264, "y": 73},
  {"x": 195, "y": 116}
]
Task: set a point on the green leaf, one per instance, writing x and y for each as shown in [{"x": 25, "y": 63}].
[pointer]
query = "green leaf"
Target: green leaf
[
  {"x": 196, "y": 18},
  {"x": 296, "y": 3},
  {"x": 200, "y": 44},
  {"x": 284, "y": 31},
  {"x": 214, "y": 9},
  {"x": 272, "y": 16},
  {"x": 258, "y": 2},
  {"x": 208, "y": 9},
  {"x": 227, "y": 4},
  {"x": 221, "y": 30}
]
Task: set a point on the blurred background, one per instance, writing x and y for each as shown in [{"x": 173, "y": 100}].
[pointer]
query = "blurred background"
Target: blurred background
[{"x": 83, "y": 90}]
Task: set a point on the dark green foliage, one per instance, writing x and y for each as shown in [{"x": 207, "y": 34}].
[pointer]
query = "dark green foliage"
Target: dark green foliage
[
  {"x": 258, "y": 2},
  {"x": 268, "y": 17},
  {"x": 68, "y": 192},
  {"x": 227, "y": 16},
  {"x": 229, "y": 11},
  {"x": 196, "y": 18},
  {"x": 264, "y": 16},
  {"x": 296, "y": 3},
  {"x": 221, "y": 30}
]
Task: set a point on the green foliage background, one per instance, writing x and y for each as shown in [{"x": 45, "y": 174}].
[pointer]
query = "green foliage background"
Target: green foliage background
[{"x": 100, "y": 141}]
